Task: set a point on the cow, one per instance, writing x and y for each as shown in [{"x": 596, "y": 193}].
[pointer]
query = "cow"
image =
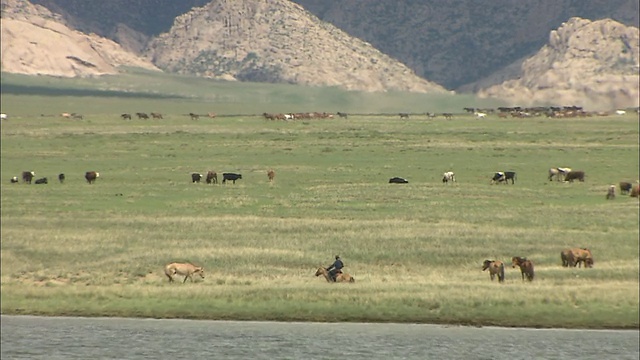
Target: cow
[
  {"x": 554, "y": 173},
  {"x": 505, "y": 176},
  {"x": 3, "y": 116},
  {"x": 404, "y": 115},
  {"x": 271, "y": 175},
  {"x": 212, "y": 177},
  {"x": 448, "y": 176},
  {"x": 77, "y": 116},
  {"x": 126, "y": 116},
  {"x": 156, "y": 115},
  {"x": 342, "y": 115},
  {"x": 398, "y": 180},
  {"x": 14, "y": 180},
  {"x": 611, "y": 192},
  {"x": 61, "y": 178},
  {"x": 625, "y": 187},
  {"x": 142, "y": 115},
  {"x": 196, "y": 177},
  {"x": 562, "y": 173},
  {"x": 194, "y": 116},
  {"x": 91, "y": 176},
  {"x": 42, "y": 181},
  {"x": 635, "y": 190},
  {"x": 230, "y": 176},
  {"x": 27, "y": 176},
  {"x": 574, "y": 175}
]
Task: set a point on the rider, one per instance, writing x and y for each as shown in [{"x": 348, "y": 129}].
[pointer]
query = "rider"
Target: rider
[{"x": 335, "y": 268}]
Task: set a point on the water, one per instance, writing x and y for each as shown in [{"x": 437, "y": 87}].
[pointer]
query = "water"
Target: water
[{"x": 32, "y": 337}]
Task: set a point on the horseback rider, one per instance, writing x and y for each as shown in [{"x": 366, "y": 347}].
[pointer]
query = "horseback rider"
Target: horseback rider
[{"x": 335, "y": 268}]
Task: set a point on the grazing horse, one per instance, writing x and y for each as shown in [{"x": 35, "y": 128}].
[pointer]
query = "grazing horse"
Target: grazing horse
[
  {"x": 340, "y": 276},
  {"x": 577, "y": 256},
  {"x": 126, "y": 116},
  {"x": 185, "y": 269},
  {"x": 447, "y": 116},
  {"x": 194, "y": 116},
  {"x": 495, "y": 268},
  {"x": 142, "y": 115},
  {"x": 342, "y": 115},
  {"x": 526, "y": 266},
  {"x": 271, "y": 175},
  {"x": 564, "y": 257},
  {"x": 156, "y": 115},
  {"x": 404, "y": 115}
]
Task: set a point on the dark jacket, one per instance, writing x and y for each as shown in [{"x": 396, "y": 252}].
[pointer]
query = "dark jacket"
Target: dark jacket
[{"x": 337, "y": 265}]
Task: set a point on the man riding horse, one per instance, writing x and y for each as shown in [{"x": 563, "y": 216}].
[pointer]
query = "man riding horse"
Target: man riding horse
[{"x": 335, "y": 268}]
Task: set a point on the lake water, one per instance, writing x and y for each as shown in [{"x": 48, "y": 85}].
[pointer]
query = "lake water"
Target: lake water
[{"x": 33, "y": 337}]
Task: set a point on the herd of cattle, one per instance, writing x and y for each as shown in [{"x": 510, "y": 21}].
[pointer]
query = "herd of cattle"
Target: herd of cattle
[{"x": 28, "y": 176}]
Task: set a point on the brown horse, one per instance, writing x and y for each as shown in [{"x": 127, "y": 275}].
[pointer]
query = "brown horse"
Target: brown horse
[
  {"x": 495, "y": 268},
  {"x": 526, "y": 266},
  {"x": 579, "y": 256},
  {"x": 340, "y": 276}
]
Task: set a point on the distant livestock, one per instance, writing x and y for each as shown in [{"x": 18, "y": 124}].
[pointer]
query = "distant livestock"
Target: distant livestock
[
  {"x": 42, "y": 181},
  {"x": 404, "y": 115},
  {"x": 635, "y": 190},
  {"x": 3, "y": 116},
  {"x": 194, "y": 116},
  {"x": 503, "y": 176},
  {"x": 449, "y": 176},
  {"x": 495, "y": 268},
  {"x": 611, "y": 192},
  {"x": 271, "y": 175},
  {"x": 574, "y": 175},
  {"x": 231, "y": 177},
  {"x": 156, "y": 115},
  {"x": 142, "y": 115},
  {"x": 91, "y": 176},
  {"x": 559, "y": 173},
  {"x": 398, "y": 180},
  {"x": 342, "y": 115},
  {"x": 61, "y": 178},
  {"x": 126, "y": 116},
  {"x": 14, "y": 180},
  {"x": 27, "y": 176},
  {"x": 212, "y": 177},
  {"x": 625, "y": 187},
  {"x": 196, "y": 177}
]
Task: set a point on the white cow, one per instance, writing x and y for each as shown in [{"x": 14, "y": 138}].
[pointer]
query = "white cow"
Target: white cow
[
  {"x": 3, "y": 117},
  {"x": 448, "y": 176}
]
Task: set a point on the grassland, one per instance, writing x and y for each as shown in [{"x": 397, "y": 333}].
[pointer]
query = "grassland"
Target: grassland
[{"x": 415, "y": 249}]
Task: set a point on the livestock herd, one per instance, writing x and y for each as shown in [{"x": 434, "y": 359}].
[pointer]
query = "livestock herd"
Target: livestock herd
[{"x": 28, "y": 176}]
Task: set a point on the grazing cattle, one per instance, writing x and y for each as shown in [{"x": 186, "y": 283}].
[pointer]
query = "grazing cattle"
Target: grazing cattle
[
  {"x": 449, "y": 176},
  {"x": 495, "y": 268},
  {"x": 212, "y": 177},
  {"x": 126, "y": 116},
  {"x": 91, "y": 176},
  {"x": 398, "y": 180},
  {"x": 3, "y": 116},
  {"x": 574, "y": 175},
  {"x": 625, "y": 187},
  {"x": 404, "y": 115},
  {"x": 185, "y": 269},
  {"x": 342, "y": 115},
  {"x": 142, "y": 115},
  {"x": 27, "y": 176},
  {"x": 14, "y": 180},
  {"x": 42, "y": 181},
  {"x": 196, "y": 177},
  {"x": 611, "y": 192},
  {"x": 554, "y": 173},
  {"x": 635, "y": 191},
  {"x": 271, "y": 175},
  {"x": 61, "y": 178},
  {"x": 194, "y": 116},
  {"x": 447, "y": 116},
  {"x": 77, "y": 116},
  {"x": 505, "y": 176},
  {"x": 562, "y": 173},
  {"x": 526, "y": 267},
  {"x": 230, "y": 176},
  {"x": 156, "y": 115}
]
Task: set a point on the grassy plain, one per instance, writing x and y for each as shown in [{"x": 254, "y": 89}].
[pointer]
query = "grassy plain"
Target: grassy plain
[{"x": 415, "y": 249}]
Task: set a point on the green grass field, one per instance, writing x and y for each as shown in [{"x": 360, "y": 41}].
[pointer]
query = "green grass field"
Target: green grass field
[{"x": 416, "y": 249}]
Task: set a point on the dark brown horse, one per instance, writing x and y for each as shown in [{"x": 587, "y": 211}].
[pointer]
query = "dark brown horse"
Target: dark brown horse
[
  {"x": 495, "y": 268},
  {"x": 526, "y": 267}
]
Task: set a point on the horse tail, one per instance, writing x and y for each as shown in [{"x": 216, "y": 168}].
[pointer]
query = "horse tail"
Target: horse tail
[{"x": 352, "y": 280}]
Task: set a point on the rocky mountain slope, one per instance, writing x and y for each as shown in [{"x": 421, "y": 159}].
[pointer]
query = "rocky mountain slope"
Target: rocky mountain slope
[
  {"x": 36, "y": 41},
  {"x": 276, "y": 41},
  {"x": 590, "y": 63}
]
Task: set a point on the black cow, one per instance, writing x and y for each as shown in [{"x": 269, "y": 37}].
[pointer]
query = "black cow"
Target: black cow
[
  {"x": 230, "y": 176},
  {"x": 625, "y": 187},
  {"x": 14, "y": 180},
  {"x": 27, "y": 176},
  {"x": 61, "y": 177},
  {"x": 196, "y": 177},
  {"x": 342, "y": 115},
  {"x": 398, "y": 180},
  {"x": 91, "y": 176},
  {"x": 505, "y": 176},
  {"x": 574, "y": 175},
  {"x": 42, "y": 181}
]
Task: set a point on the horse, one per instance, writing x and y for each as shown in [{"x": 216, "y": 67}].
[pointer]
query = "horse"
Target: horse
[
  {"x": 156, "y": 115},
  {"x": 404, "y": 115},
  {"x": 186, "y": 269},
  {"x": 194, "y": 116},
  {"x": 577, "y": 256},
  {"x": 126, "y": 116},
  {"x": 495, "y": 268},
  {"x": 526, "y": 267},
  {"x": 340, "y": 276},
  {"x": 342, "y": 115},
  {"x": 141, "y": 115}
]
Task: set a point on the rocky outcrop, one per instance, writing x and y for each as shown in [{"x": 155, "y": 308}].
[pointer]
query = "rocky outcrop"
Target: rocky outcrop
[
  {"x": 594, "y": 64},
  {"x": 276, "y": 41},
  {"x": 36, "y": 41}
]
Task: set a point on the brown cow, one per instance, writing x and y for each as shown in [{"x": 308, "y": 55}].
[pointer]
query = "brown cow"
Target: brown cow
[
  {"x": 271, "y": 174},
  {"x": 27, "y": 176},
  {"x": 495, "y": 268},
  {"x": 526, "y": 267},
  {"x": 574, "y": 175},
  {"x": 625, "y": 187},
  {"x": 635, "y": 190},
  {"x": 212, "y": 177},
  {"x": 91, "y": 176}
]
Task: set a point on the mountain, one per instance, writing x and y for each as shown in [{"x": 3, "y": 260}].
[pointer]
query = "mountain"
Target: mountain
[
  {"x": 590, "y": 63},
  {"x": 276, "y": 41},
  {"x": 36, "y": 41}
]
